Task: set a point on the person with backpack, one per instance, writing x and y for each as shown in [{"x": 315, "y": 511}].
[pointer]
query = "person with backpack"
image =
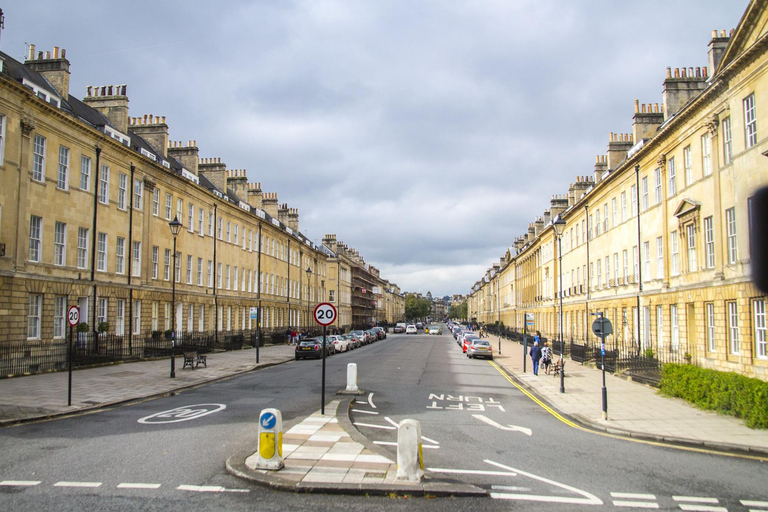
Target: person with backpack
[{"x": 546, "y": 357}]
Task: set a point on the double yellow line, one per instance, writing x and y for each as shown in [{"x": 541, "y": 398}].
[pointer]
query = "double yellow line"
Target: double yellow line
[{"x": 570, "y": 423}]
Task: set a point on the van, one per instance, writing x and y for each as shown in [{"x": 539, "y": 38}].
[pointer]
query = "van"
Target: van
[{"x": 399, "y": 327}]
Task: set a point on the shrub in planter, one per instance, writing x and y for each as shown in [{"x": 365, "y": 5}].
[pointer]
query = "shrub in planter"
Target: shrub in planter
[
  {"x": 83, "y": 327},
  {"x": 103, "y": 327},
  {"x": 725, "y": 392}
]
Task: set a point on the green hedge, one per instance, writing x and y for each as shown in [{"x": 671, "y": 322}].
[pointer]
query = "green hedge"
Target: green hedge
[{"x": 725, "y": 392}]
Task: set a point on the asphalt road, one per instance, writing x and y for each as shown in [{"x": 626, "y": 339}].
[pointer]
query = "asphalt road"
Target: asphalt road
[{"x": 119, "y": 462}]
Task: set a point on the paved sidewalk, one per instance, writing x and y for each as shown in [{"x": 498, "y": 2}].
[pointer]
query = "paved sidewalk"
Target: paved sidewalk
[
  {"x": 634, "y": 409},
  {"x": 45, "y": 395}
]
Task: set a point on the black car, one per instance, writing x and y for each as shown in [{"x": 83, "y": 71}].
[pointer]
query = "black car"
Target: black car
[{"x": 310, "y": 347}]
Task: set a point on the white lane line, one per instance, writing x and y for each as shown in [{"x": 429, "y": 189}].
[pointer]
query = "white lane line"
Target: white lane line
[
  {"x": 200, "y": 488},
  {"x": 138, "y": 486},
  {"x": 391, "y": 421},
  {"x": 383, "y": 427},
  {"x": 370, "y": 401},
  {"x": 471, "y": 472},
  {"x": 25, "y": 483},
  {"x": 429, "y": 440},
  {"x": 510, "y": 488},
  {"x": 633, "y": 496},
  {"x": 702, "y": 508},
  {"x": 750, "y": 503},
  {"x": 388, "y": 443},
  {"x": 695, "y": 499},
  {"x": 635, "y": 504},
  {"x": 364, "y": 412},
  {"x": 489, "y": 421},
  {"x": 588, "y": 498},
  {"x": 77, "y": 484}
]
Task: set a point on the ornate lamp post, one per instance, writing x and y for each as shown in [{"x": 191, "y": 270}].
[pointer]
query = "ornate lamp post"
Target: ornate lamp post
[
  {"x": 559, "y": 226},
  {"x": 175, "y": 226}
]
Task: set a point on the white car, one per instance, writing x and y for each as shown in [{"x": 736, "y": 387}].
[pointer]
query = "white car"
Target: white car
[
  {"x": 411, "y": 329},
  {"x": 340, "y": 343}
]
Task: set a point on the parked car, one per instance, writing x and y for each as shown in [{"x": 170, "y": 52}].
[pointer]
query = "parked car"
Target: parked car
[
  {"x": 480, "y": 348},
  {"x": 381, "y": 332},
  {"x": 372, "y": 335},
  {"x": 467, "y": 341},
  {"x": 434, "y": 329},
  {"x": 399, "y": 328},
  {"x": 311, "y": 347},
  {"x": 411, "y": 329},
  {"x": 352, "y": 341},
  {"x": 340, "y": 343},
  {"x": 419, "y": 326},
  {"x": 360, "y": 335}
]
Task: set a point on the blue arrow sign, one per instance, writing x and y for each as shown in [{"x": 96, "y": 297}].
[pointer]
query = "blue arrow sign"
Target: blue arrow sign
[{"x": 268, "y": 420}]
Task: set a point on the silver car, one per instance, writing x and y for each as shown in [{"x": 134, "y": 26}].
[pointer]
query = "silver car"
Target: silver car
[{"x": 480, "y": 348}]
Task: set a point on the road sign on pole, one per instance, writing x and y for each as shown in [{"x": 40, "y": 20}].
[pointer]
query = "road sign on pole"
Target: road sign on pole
[
  {"x": 325, "y": 313},
  {"x": 73, "y": 315}
]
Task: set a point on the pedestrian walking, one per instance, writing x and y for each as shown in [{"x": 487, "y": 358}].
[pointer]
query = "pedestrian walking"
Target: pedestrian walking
[
  {"x": 535, "y": 357},
  {"x": 294, "y": 337},
  {"x": 546, "y": 357}
]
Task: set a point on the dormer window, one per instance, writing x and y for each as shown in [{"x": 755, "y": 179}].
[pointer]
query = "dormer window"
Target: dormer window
[{"x": 42, "y": 93}]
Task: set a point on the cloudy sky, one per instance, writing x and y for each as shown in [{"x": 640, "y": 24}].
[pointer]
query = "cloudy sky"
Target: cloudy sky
[{"x": 426, "y": 134}]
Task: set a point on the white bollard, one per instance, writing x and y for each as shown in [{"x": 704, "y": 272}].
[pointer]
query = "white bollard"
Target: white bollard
[
  {"x": 352, "y": 378},
  {"x": 410, "y": 460},
  {"x": 270, "y": 449}
]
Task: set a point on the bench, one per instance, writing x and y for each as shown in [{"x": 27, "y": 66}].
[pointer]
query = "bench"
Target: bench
[
  {"x": 558, "y": 366},
  {"x": 193, "y": 360}
]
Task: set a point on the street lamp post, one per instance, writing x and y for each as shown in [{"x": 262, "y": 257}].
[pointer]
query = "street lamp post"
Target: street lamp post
[
  {"x": 309, "y": 273},
  {"x": 559, "y": 226},
  {"x": 175, "y": 226}
]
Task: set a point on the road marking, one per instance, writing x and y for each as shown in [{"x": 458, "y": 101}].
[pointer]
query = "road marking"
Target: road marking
[
  {"x": 633, "y": 496},
  {"x": 749, "y": 503},
  {"x": 390, "y": 443},
  {"x": 429, "y": 440},
  {"x": 510, "y": 488},
  {"x": 489, "y": 421},
  {"x": 77, "y": 484},
  {"x": 702, "y": 508},
  {"x": 471, "y": 472},
  {"x": 383, "y": 427},
  {"x": 635, "y": 504},
  {"x": 364, "y": 412},
  {"x": 25, "y": 483},
  {"x": 588, "y": 499},
  {"x": 392, "y": 422},
  {"x": 184, "y": 413},
  {"x": 200, "y": 488},
  {"x": 369, "y": 402},
  {"x": 138, "y": 486},
  {"x": 695, "y": 499}
]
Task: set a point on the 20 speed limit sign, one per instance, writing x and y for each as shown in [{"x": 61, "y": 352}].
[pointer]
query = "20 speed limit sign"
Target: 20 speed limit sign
[
  {"x": 73, "y": 315},
  {"x": 325, "y": 313}
]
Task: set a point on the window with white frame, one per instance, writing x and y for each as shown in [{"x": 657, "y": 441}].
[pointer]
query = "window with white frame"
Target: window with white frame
[
  {"x": 155, "y": 261},
  {"x": 210, "y": 224},
  {"x": 82, "y": 248},
  {"x": 34, "y": 310},
  {"x": 760, "y": 328},
  {"x": 62, "y": 180},
  {"x": 635, "y": 263},
  {"x": 199, "y": 271},
  {"x": 38, "y": 159},
  {"x": 178, "y": 267},
  {"x": 229, "y": 232},
  {"x": 180, "y": 209},
  {"x": 136, "y": 258},
  {"x": 59, "y": 316},
  {"x": 201, "y": 318},
  {"x": 136, "y": 317},
  {"x": 229, "y": 278},
  {"x": 691, "y": 240},
  {"x": 616, "y": 269},
  {"x": 660, "y": 328},
  {"x": 706, "y": 155},
  {"x": 189, "y": 269},
  {"x": 657, "y": 185},
  {"x": 727, "y": 141},
  {"x": 710, "y": 319},
  {"x": 35, "y": 238},
  {"x": 614, "y": 213},
  {"x": 190, "y": 317},
  {"x": 210, "y": 274},
  {"x": 154, "y": 320},
  {"x": 644, "y": 191},
  {"x": 219, "y": 280},
  {"x": 122, "y": 186},
  {"x": 733, "y": 328},
  {"x": 156, "y": 201},
  {"x": 167, "y": 316},
  {"x": 120, "y": 317},
  {"x": 60, "y": 244},
  {"x": 750, "y": 121},
  {"x": 672, "y": 176},
  {"x": 167, "y": 265},
  {"x": 623, "y": 206},
  {"x": 104, "y": 185},
  {"x": 730, "y": 222},
  {"x": 709, "y": 242},
  {"x": 191, "y": 218},
  {"x": 168, "y": 206},
  {"x": 675, "y": 254},
  {"x": 675, "y": 327},
  {"x": 220, "y": 228},
  {"x": 235, "y": 280},
  {"x": 101, "y": 311},
  {"x": 625, "y": 256},
  {"x": 242, "y": 279},
  {"x": 598, "y": 224},
  {"x": 647, "y": 260},
  {"x": 599, "y": 274},
  {"x": 120, "y": 255},
  {"x": 138, "y": 194},
  {"x": 659, "y": 258},
  {"x": 607, "y": 271},
  {"x": 237, "y": 235},
  {"x": 688, "y": 165},
  {"x": 200, "y": 218},
  {"x": 85, "y": 173}
]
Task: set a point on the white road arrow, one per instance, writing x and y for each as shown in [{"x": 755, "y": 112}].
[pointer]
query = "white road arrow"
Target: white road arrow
[{"x": 489, "y": 421}]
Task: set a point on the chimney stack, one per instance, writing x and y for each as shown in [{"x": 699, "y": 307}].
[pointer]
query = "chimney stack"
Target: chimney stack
[
  {"x": 269, "y": 204},
  {"x": 187, "y": 155},
  {"x": 681, "y": 86},
  {"x": 238, "y": 182},
  {"x": 55, "y": 68},
  {"x": 717, "y": 47},
  {"x": 214, "y": 171},
  {"x": 601, "y": 165},
  {"x": 152, "y": 129},
  {"x": 647, "y": 119},
  {"x": 618, "y": 146}
]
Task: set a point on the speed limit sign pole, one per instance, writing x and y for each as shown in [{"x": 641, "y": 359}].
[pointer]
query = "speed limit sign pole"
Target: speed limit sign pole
[
  {"x": 325, "y": 315},
  {"x": 73, "y": 317}
]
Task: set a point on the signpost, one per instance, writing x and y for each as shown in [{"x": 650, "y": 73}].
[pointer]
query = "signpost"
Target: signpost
[
  {"x": 73, "y": 318},
  {"x": 254, "y": 315},
  {"x": 602, "y": 327},
  {"x": 325, "y": 315}
]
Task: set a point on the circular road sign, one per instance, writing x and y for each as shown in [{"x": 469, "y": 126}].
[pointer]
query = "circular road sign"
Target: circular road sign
[
  {"x": 73, "y": 315},
  {"x": 325, "y": 313}
]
